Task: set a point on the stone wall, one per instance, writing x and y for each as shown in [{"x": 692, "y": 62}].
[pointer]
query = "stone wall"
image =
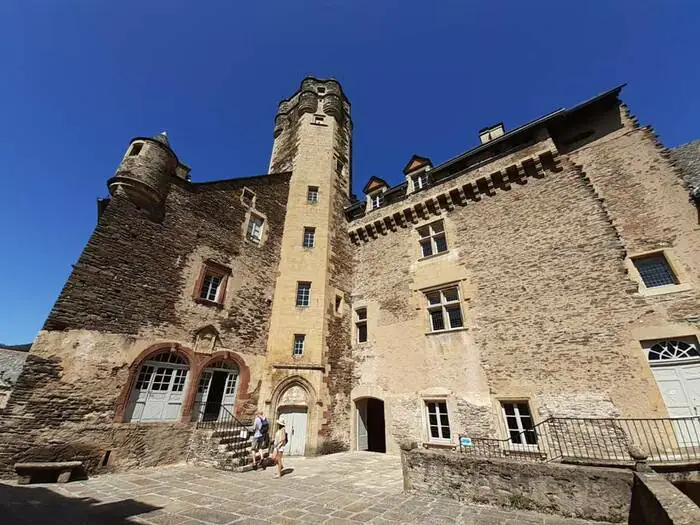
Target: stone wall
[
  {"x": 133, "y": 289},
  {"x": 591, "y": 493},
  {"x": 655, "y": 501}
]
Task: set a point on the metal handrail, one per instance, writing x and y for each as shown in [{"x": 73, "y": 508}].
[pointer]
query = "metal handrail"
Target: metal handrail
[
  {"x": 659, "y": 440},
  {"x": 230, "y": 430}
]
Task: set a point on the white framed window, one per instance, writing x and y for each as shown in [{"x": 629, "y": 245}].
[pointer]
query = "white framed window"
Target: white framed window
[
  {"x": 210, "y": 287},
  {"x": 255, "y": 227},
  {"x": 303, "y": 293},
  {"x": 248, "y": 197},
  {"x": 361, "y": 325},
  {"x": 309, "y": 237},
  {"x": 136, "y": 148},
  {"x": 438, "y": 421},
  {"x": 298, "y": 348},
  {"x": 312, "y": 195},
  {"x": 231, "y": 380},
  {"x": 444, "y": 309},
  {"x": 432, "y": 239},
  {"x": 518, "y": 420},
  {"x": 674, "y": 349},
  {"x": 377, "y": 199},
  {"x": 655, "y": 270},
  {"x": 420, "y": 181}
]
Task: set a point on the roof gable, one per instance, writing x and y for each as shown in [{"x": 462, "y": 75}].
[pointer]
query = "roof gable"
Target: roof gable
[
  {"x": 373, "y": 184},
  {"x": 415, "y": 163}
]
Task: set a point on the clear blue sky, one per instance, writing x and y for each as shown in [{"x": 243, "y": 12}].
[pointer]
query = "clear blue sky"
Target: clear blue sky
[{"x": 78, "y": 79}]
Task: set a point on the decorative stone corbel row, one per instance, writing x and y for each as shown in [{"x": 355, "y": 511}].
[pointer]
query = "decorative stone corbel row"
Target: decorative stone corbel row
[{"x": 453, "y": 194}]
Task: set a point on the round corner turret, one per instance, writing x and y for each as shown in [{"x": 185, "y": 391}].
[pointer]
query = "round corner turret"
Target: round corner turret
[{"x": 144, "y": 174}]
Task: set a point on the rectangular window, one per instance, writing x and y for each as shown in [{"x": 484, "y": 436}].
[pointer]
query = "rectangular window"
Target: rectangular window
[
  {"x": 318, "y": 119},
  {"x": 312, "y": 195},
  {"x": 420, "y": 181},
  {"x": 377, "y": 200},
  {"x": 655, "y": 270},
  {"x": 438, "y": 421},
  {"x": 248, "y": 197},
  {"x": 303, "y": 293},
  {"x": 521, "y": 429},
  {"x": 361, "y": 324},
  {"x": 338, "y": 303},
  {"x": 444, "y": 309},
  {"x": 432, "y": 239},
  {"x": 309, "y": 237},
  {"x": 135, "y": 149},
  {"x": 298, "y": 349},
  {"x": 179, "y": 382},
  {"x": 210, "y": 287},
  {"x": 255, "y": 226}
]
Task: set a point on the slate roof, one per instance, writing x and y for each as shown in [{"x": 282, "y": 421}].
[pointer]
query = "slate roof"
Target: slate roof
[
  {"x": 687, "y": 158},
  {"x": 11, "y": 363}
]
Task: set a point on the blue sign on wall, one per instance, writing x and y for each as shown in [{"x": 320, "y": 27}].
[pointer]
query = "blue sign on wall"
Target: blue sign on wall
[{"x": 465, "y": 441}]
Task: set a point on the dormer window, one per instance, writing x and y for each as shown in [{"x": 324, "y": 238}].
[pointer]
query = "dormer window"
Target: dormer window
[
  {"x": 377, "y": 200},
  {"x": 420, "y": 181}
]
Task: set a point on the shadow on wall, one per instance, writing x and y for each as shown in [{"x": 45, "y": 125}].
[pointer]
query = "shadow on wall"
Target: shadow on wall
[{"x": 38, "y": 505}]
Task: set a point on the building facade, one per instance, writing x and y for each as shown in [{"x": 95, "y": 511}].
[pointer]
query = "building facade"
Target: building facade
[{"x": 552, "y": 271}]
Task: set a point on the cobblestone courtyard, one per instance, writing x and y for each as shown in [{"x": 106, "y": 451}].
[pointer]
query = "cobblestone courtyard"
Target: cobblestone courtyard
[{"x": 341, "y": 489}]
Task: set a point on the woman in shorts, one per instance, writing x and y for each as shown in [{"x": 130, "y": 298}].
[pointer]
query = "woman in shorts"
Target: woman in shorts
[{"x": 279, "y": 444}]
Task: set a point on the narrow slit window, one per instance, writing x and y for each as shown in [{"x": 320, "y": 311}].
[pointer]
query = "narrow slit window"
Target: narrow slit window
[
  {"x": 298, "y": 348},
  {"x": 361, "y": 325}
]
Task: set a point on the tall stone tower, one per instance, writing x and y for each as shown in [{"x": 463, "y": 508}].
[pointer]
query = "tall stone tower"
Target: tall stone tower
[{"x": 309, "y": 328}]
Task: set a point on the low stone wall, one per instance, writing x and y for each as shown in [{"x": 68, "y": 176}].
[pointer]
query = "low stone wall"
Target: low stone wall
[
  {"x": 592, "y": 493},
  {"x": 655, "y": 501}
]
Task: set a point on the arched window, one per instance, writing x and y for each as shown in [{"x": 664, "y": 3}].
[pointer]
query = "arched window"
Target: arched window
[
  {"x": 159, "y": 389},
  {"x": 216, "y": 392},
  {"x": 673, "y": 350}
]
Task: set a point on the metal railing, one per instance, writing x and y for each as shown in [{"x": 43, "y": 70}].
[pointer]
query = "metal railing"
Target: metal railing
[
  {"x": 614, "y": 440},
  {"x": 233, "y": 433}
]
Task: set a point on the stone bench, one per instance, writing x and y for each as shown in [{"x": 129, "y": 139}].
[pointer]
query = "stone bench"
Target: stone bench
[{"x": 27, "y": 471}]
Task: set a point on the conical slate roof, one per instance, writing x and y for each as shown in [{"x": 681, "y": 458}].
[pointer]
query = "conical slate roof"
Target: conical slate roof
[{"x": 162, "y": 137}]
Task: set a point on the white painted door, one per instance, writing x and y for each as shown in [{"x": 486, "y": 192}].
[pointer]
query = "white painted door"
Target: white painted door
[
  {"x": 295, "y": 419},
  {"x": 680, "y": 388},
  {"x": 228, "y": 401},
  {"x": 158, "y": 393},
  {"x": 200, "y": 399},
  {"x": 362, "y": 432}
]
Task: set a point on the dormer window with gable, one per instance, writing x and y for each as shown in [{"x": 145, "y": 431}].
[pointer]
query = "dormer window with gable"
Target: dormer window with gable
[
  {"x": 377, "y": 199},
  {"x": 420, "y": 180},
  {"x": 374, "y": 190},
  {"x": 417, "y": 173}
]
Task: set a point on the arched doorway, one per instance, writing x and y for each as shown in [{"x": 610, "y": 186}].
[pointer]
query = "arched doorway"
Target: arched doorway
[
  {"x": 216, "y": 392},
  {"x": 159, "y": 390},
  {"x": 371, "y": 435},
  {"x": 293, "y": 408}
]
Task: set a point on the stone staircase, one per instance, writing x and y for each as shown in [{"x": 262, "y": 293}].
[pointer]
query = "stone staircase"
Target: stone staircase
[{"x": 222, "y": 450}]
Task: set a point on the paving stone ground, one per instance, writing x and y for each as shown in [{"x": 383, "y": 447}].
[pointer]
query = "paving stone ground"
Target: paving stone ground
[{"x": 340, "y": 489}]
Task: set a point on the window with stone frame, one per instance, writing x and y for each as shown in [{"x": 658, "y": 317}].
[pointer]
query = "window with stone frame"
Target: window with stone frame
[
  {"x": 211, "y": 285},
  {"x": 255, "y": 228},
  {"x": 432, "y": 239},
  {"x": 309, "y": 237},
  {"x": 519, "y": 424},
  {"x": 438, "y": 421},
  {"x": 298, "y": 348},
  {"x": 377, "y": 199},
  {"x": 303, "y": 293},
  {"x": 444, "y": 309},
  {"x": 312, "y": 195},
  {"x": 361, "y": 324},
  {"x": 655, "y": 270},
  {"x": 136, "y": 148},
  {"x": 248, "y": 197},
  {"x": 420, "y": 180}
]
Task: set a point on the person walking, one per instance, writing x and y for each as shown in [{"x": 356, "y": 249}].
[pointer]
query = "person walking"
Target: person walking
[
  {"x": 260, "y": 437},
  {"x": 279, "y": 443}
]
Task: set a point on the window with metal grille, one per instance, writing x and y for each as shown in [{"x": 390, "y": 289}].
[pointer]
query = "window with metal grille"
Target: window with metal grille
[
  {"x": 444, "y": 309},
  {"x": 210, "y": 287},
  {"x": 521, "y": 429},
  {"x": 255, "y": 226},
  {"x": 309, "y": 237},
  {"x": 432, "y": 239},
  {"x": 298, "y": 348},
  {"x": 312, "y": 195},
  {"x": 438, "y": 421},
  {"x": 654, "y": 270},
  {"x": 361, "y": 324},
  {"x": 303, "y": 293}
]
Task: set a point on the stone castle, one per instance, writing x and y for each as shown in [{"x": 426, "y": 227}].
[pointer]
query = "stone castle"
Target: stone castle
[{"x": 553, "y": 270}]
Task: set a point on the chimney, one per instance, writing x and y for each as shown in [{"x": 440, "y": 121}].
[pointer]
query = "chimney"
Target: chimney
[{"x": 491, "y": 132}]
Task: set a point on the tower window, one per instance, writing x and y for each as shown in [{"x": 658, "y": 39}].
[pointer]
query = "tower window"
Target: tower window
[
  {"x": 654, "y": 270},
  {"x": 298, "y": 348},
  {"x": 361, "y": 325},
  {"x": 319, "y": 119},
  {"x": 432, "y": 239},
  {"x": 303, "y": 293},
  {"x": 309, "y": 237},
  {"x": 135, "y": 149},
  {"x": 255, "y": 226},
  {"x": 312, "y": 195},
  {"x": 321, "y": 90}
]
